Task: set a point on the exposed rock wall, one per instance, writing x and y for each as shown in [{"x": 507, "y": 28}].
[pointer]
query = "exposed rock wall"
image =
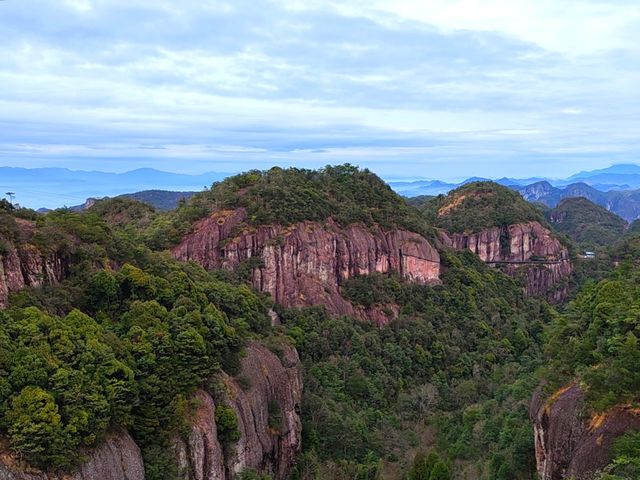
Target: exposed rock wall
[
  {"x": 118, "y": 458},
  {"x": 268, "y": 411},
  {"x": 571, "y": 444},
  {"x": 526, "y": 249},
  {"x": 304, "y": 264},
  {"x": 266, "y": 406},
  {"x": 200, "y": 456},
  {"x": 272, "y": 389},
  {"x": 25, "y": 266}
]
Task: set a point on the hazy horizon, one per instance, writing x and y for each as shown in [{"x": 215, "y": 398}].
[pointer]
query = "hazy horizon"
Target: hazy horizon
[
  {"x": 433, "y": 89},
  {"x": 59, "y": 187}
]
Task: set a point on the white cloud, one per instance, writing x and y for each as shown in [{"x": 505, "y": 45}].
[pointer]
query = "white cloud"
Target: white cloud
[
  {"x": 568, "y": 26},
  {"x": 426, "y": 82}
]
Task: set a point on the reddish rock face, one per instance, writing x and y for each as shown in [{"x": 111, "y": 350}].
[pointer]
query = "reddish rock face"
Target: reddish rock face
[
  {"x": 571, "y": 445},
  {"x": 200, "y": 456},
  {"x": 304, "y": 264},
  {"x": 274, "y": 390},
  {"x": 272, "y": 386},
  {"x": 25, "y": 266},
  {"x": 527, "y": 249},
  {"x": 118, "y": 458}
]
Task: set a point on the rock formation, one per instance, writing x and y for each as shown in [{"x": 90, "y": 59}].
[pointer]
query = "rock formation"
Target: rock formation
[
  {"x": 526, "y": 249},
  {"x": 118, "y": 458},
  {"x": 266, "y": 403},
  {"x": 570, "y": 444},
  {"x": 304, "y": 264},
  {"x": 268, "y": 411},
  {"x": 23, "y": 265}
]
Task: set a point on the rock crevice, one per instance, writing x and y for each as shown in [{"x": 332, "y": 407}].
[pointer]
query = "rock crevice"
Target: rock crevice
[{"x": 271, "y": 384}]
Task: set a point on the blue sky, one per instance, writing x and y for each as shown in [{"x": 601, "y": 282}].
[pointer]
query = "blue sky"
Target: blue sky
[{"x": 433, "y": 88}]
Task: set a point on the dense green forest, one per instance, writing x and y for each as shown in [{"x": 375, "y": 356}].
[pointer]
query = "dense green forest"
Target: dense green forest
[
  {"x": 440, "y": 393},
  {"x": 586, "y": 223},
  {"x": 596, "y": 340},
  {"x": 477, "y": 206},
  {"x": 461, "y": 358}
]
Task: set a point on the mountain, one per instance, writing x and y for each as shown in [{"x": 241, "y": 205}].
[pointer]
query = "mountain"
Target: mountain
[
  {"x": 619, "y": 169},
  {"x": 56, "y": 187},
  {"x": 421, "y": 187},
  {"x": 586, "y": 223},
  {"x": 625, "y": 203},
  {"x": 160, "y": 199},
  {"x": 310, "y": 324},
  {"x": 505, "y": 231},
  {"x": 194, "y": 373}
]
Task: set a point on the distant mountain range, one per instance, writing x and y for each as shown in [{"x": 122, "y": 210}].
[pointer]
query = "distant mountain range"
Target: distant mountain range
[
  {"x": 57, "y": 187},
  {"x": 616, "y": 188},
  {"x": 162, "y": 200}
]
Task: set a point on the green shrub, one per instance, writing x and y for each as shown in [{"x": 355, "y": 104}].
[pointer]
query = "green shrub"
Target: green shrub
[{"x": 227, "y": 424}]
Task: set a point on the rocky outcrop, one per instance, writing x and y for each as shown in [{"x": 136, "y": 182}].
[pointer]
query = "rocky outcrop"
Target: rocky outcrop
[
  {"x": 524, "y": 249},
  {"x": 305, "y": 264},
  {"x": 118, "y": 458},
  {"x": 23, "y": 265},
  {"x": 265, "y": 397},
  {"x": 570, "y": 444},
  {"x": 268, "y": 411},
  {"x": 200, "y": 455}
]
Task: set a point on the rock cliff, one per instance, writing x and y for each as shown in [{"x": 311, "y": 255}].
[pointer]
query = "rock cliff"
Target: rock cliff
[
  {"x": 23, "y": 265},
  {"x": 526, "y": 249},
  {"x": 265, "y": 397},
  {"x": 304, "y": 264},
  {"x": 118, "y": 458},
  {"x": 569, "y": 443},
  {"x": 266, "y": 404}
]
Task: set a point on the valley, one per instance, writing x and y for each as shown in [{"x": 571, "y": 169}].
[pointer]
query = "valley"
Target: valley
[{"x": 314, "y": 324}]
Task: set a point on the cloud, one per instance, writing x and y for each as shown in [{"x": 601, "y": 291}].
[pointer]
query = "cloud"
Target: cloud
[{"x": 400, "y": 84}]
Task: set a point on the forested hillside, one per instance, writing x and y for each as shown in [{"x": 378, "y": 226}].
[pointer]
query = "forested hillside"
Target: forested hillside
[
  {"x": 477, "y": 206},
  {"x": 588, "y": 224},
  {"x": 128, "y": 334}
]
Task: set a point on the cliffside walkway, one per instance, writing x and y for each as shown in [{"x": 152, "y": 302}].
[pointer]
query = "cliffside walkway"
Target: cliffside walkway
[{"x": 525, "y": 262}]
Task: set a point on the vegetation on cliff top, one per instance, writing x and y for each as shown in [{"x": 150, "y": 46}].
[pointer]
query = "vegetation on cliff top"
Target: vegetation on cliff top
[
  {"x": 477, "y": 206},
  {"x": 596, "y": 340},
  {"x": 588, "y": 224},
  {"x": 286, "y": 196}
]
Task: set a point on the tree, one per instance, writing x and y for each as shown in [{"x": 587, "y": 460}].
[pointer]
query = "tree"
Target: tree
[
  {"x": 423, "y": 465},
  {"x": 36, "y": 429},
  {"x": 440, "y": 471}
]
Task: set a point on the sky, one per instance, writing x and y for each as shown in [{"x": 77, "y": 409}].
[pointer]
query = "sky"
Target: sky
[{"x": 433, "y": 89}]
